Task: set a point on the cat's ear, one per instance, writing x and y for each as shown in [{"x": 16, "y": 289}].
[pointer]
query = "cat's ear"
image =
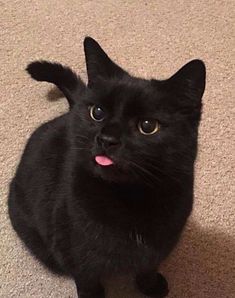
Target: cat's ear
[
  {"x": 190, "y": 80},
  {"x": 98, "y": 64}
]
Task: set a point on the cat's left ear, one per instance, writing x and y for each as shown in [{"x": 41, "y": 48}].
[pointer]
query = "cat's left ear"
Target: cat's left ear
[
  {"x": 98, "y": 64},
  {"x": 190, "y": 80}
]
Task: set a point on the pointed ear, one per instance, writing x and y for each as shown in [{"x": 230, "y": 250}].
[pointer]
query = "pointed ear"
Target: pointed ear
[
  {"x": 190, "y": 79},
  {"x": 98, "y": 64}
]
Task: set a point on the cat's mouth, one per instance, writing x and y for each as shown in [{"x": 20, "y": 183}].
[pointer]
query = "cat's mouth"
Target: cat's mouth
[{"x": 109, "y": 168}]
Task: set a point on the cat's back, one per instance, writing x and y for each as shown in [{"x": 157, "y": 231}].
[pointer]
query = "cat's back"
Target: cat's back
[
  {"x": 41, "y": 165},
  {"x": 44, "y": 149}
]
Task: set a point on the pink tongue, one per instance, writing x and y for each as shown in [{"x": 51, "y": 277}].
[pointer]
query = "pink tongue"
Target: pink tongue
[{"x": 103, "y": 160}]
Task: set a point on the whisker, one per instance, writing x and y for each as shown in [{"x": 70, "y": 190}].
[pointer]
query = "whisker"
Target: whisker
[
  {"x": 150, "y": 162},
  {"x": 82, "y": 136},
  {"x": 78, "y": 148},
  {"x": 150, "y": 178}
]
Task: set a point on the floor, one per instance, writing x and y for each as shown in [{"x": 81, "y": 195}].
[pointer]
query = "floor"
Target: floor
[{"x": 150, "y": 39}]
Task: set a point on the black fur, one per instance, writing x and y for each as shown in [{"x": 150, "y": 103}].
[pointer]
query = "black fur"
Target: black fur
[
  {"x": 63, "y": 77},
  {"x": 88, "y": 221}
]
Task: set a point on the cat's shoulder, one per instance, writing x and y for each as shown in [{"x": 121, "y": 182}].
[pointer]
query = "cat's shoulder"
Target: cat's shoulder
[
  {"x": 50, "y": 137},
  {"x": 52, "y": 128}
]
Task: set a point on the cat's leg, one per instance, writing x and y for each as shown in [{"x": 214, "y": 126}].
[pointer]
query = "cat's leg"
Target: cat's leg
[
  {"x": 91, "y": 289},
  {"x": 152, "y": 284}
]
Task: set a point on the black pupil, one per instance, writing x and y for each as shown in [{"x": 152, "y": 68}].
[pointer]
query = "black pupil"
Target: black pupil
[
  {"x": 148, "y": 126},
  {"x": 98, "y": 113}
]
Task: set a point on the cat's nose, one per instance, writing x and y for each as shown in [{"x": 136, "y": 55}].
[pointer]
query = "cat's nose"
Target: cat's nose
[{"x": 107, "y": 141}]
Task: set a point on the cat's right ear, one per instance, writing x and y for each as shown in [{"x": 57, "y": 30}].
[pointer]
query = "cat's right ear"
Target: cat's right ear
[
  {"x": 63, "y": 77},
  {"x": 98, "y": 64},
  {"x": 190, "y": 80}
]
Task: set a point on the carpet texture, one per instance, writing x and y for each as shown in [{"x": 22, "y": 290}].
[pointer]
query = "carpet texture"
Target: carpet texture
[{"x": 151, "y": 39}]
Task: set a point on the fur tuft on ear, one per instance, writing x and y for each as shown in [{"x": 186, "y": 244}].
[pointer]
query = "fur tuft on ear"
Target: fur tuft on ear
[
  {"x": 98, "y": 64},
  {"x": 63, "y": 77}
]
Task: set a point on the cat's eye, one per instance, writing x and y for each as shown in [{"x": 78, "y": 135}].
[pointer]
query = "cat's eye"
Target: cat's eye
[
  {"x": 148, "y": 127},
  {"x": 97, "y": 113}
]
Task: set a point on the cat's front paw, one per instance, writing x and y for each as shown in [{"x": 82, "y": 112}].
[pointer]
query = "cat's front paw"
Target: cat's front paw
[{"x": 152, "y": 284}]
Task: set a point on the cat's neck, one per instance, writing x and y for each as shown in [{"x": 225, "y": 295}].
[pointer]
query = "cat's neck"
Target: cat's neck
[{"x": 126, "y": 207}]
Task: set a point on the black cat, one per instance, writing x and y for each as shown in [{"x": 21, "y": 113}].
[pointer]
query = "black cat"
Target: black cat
[{"x": 107, "y": 188}]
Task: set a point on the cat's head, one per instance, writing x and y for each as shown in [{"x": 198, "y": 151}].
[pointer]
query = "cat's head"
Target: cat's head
[{"x": 130, "y": 129}]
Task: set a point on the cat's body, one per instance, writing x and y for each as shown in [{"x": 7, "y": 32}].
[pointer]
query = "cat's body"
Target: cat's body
[{"x": 90, "y": 221}]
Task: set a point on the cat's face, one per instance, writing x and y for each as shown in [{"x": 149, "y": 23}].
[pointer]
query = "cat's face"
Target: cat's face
[{"x": 127, "y": 129}]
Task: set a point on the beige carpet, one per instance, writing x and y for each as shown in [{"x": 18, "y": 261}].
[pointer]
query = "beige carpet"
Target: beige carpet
[{"x": 149, "y": 38}]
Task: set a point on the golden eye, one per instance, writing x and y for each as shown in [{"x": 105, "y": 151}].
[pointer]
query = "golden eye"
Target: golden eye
[
  {"x": 97, "y": 113},
  {"x": 148, "y": 127}
]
